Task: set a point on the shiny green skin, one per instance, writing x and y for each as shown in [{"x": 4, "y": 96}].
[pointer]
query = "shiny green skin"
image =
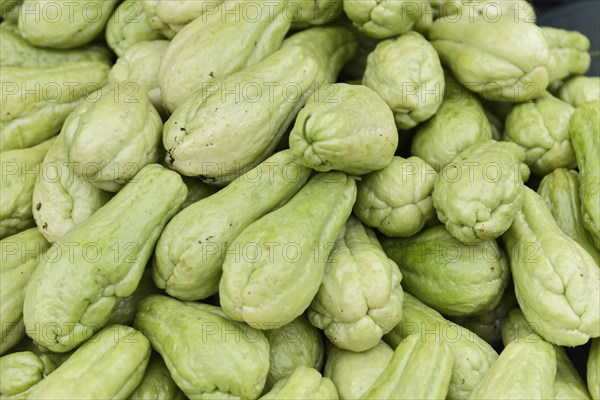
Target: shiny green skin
[
  {"x": 197, "y": 190},
  {"x": 29, "y": 119},
  {"x": 479, "y": 192},
  {"x": 293, "y": 345},
  {"x": 557, "y": 282},
  {"x": 593, "y": 369},
  {"x": 199, "y": 143},
  {"x": 18, "y": 52},
  {"x": 523, "y": 371},
  {"x": 121, "y": 110},
  {"x": 125, "y": 312},
  {"x": 387, "y": 18},
  {"x": 354, "y": 373},
  {"x": 459, "y": 123},
  {"x": 541, "y": 127},
  {"x": 188, "y": 257},
  {"x": 420, "y": 368},
  {"x": 128, "y": 25},
  {"x": 67, "y": 24},
  {"x": 208, "y": 355},
  {"x": 454, "y": 278},
  {"x": 219, "y": 44},
  {"x": 61, "y": 198},
  {"x": 21, "y": 169},
  {"x": 140, "y": 64},
  {"x": 303, "y": 383},
  {"x": 473, "y": 356},
  {"x": 157, "y": 383},
  {"x": 73, "y": 292},
  {"x": 568, "y": 51},
  {"x": 313, "y": 12},
  {"x": 20, "y": 255},
  {"x": 585, "y": 135},
  {"x": 108, "y": 366},
  {"x": 263, "y": 285},
  {"x": 20, "y": 371},
  {"x": 503, "y": 60},
  {"x": 346, "y": 128},
  {"x": 567, "y": 382},
  {"x": 579, "y": 90},
  {"x": 397, "y": 199},
  {"x": 560, "y": 191},
  {"x": 360, "y": 298},
  {"x": 407, "y": 74}
]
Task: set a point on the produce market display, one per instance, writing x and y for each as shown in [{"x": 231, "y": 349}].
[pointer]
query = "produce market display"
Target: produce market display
[{"x": 297, "y": 199}]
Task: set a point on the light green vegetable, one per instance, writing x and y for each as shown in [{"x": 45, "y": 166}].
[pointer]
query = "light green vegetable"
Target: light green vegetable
[
  {"x": 568, "y": 52},
  {"x": 157, "y": 383},
  {"x": 125, "y": 312},
  {"x": 20, "y": 371},
  {"x": 305, "y": 13},
  {"x": 303, "y": 383},
  {"x": 490, "y": 9},
  {"x": 579, "y": 90}
]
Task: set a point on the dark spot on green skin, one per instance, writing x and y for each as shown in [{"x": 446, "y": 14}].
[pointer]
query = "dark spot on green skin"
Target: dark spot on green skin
[
  {"x": 45, "y": 226},
  {"x": 211, "y": 74},
  {"x": 38, "y": 206}
]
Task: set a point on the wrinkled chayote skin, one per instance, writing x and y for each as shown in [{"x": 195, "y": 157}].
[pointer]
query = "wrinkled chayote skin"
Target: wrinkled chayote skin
[
  {"x": 167, "y": 30},
  {"x": 72, "y": 293},
  {"x": 584, "y": 127},
  {"x": 593, "y": 369},
  {"x": 579, "y": 90},
  {"x": 47, "y": 356},
  {"x": 125, "y": 312},
  {"x": 313, "y": 12},
  {"x": 354, "y": 373},
  {"x": 490, "y": 9},
  {"x": 266, "y": 284},
  {"x": 557, "y": 282},
  {"x": 346, "y": 128},
  {"x": 397, "y": 199},
  {"x": 20, "y": 371},
  {"x": 140, "y": 64},
  {"x": 108, "y": 366},
  {"x": 479, "y": 192},
  {"x": 560, "y": 191},
  {"x": 109, "y": 140},
  {"x": 541, "y": 127},
  {"x": 66, "y": 24},
  {"x": 21, "y": 169},
  {"x": 199, "y": 143},
  {"x": 503, "y": 59},
  {"x": 208, "y": 355},
  {"x": 293, "y": 345},
  {"x": 303, "y": 383},
  {"x": 458, "y": 123},
  {"x": 454, "y": 278},
  {"x": 420, "y": 368},
  {"x": 360, "y": 298},
  {"x": 181, "y": 12},
  {"x": 407, "y": 74},
  {"x": 18, "y": 52},
  {"x": 472, "y": 355},
  {"x": 386, "y": 18},
  {"x": 157, "y": 383},
  {"x": 128, "y": 25},
  {"x": 188, "y": 257},
  {"x": 567, "y": 382},
  {"x": 28, "y": 118},
  {"x": 20, "y": 255},
  {"x": 522, "y": 371},
  {"x": 220, "y": 43},
  {"x": 61, "y": 198},
  {"x": 568, "y": 51}
]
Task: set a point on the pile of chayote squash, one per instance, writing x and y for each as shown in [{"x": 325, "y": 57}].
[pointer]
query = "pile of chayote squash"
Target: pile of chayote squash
[{"x": 296, "y": 199}]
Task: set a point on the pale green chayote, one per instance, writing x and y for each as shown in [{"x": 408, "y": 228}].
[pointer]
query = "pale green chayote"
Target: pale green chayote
[
  {"x": 502, "y": 59},
  {"x": 593, "y": 369},
  {"x": 407, "y": 74},
  {"x": 541, "y": 128},
  {"x": 111, "y": 138},
  {"x": 479, "y": 192},
  {"x": 208, "y": 355},
  {"x": 397, "y": 199},
  {"x": 360, "y": 298},
  {"x": 346, "y": 128},
  {"x": 557, "y": 282},
  {"x": 178, "y": 13},
  {"x": 305, "y": 13},
  {"x": 578, "y": 90},
  {"x": 303, "y": 383},
  {"x": 568, "y": 52},
  {"x": 66, "y": 24},
  {"x": 21, "y": 371},
  {"x": 157, "y": 383},
  {"x": 490, "y": 9},
  {"x": 125, "y": 312}
]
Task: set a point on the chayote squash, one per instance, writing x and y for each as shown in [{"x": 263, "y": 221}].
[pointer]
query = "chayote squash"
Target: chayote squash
[
  {"x": 557, "y": 282},
  {"x": 7, "y": 8},
  {"x": 360, "y": 298},
  {"x": 521, "y": 10},
  {"x": 578, "y": 90},
  {"x": 20, "y": 255},
  {"x": 303, "y": 383},
  {"x": 21, "y": 371},
  {"x": 88, "y": 271},
  {"x": 208, "y": 355},
  {"x": 189, "y": 257},
  {"x": 125, "y": 312},
  {"x": 568, "y": 52},
  {"x": 157, "y": 383},
  {"x": 593, "y": 369},
  {"x": 274, "y": 267},
  {"x": 21, "y": 169},
  {"x": 305, "y": 13},
  {"x": 178, "y": 13}
]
